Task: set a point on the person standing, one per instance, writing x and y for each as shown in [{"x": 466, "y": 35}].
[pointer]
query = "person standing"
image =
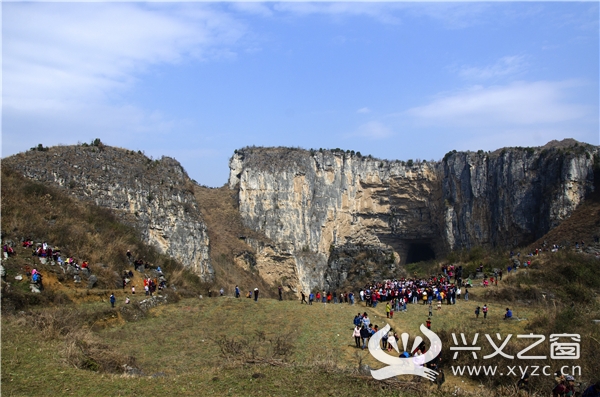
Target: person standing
[
  {"x": 428, "y": 323},
  {"x": 237, "y": 291},
  {"x": 311, "y": 298},
  {"x": 477, "y": 312},
  {"x": 112, "y": 300},
  {"x": 255, "y": 294},
  {"x": 485, "y": 311},
  {"x": 430, "y": 310},
  {"x": 466, "y": 294},
  {"x": 356, "y": 335},
  {"x": 365, "y": 335},
  {"x": 280, "y": 289}
]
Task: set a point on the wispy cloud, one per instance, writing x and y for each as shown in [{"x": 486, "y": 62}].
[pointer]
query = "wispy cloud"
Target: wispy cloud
[
  {"x": 451, "y": 15},
  {"x": 55, "y": 54},
  {"x": 519, "y": 103},
  {"x": 68, "y": 67},
  {"x": 373, "y": 130},
  {"x": 505, "y": 66},
  {"x": 381, "y": 12},
  {"x": 363, "y": 110}
]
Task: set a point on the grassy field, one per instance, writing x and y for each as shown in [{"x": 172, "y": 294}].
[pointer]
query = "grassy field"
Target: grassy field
[{"x": 177, "y": 347}]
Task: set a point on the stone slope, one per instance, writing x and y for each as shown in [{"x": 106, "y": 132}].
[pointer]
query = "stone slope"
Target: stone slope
[
  {"x": 155, "y": 196},
  {"x": 319, "y": 204}
]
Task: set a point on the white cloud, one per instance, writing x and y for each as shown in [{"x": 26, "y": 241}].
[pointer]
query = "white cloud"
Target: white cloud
[
  {"x": 508, "y": 65},
  {"x": 66, "y": 67},
  {"x": 516, "y": 104},
  {"x": 59, "y": 54},
  {"x": 363, "y": 110},
  {"x": 373, "y": 130}
]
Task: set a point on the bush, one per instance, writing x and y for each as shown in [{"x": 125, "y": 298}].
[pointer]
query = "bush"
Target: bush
[{"x": 39, "y": 148}]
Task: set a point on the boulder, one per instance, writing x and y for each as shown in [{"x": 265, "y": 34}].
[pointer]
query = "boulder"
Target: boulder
[
  {"x": 92, "y": 281},
  {"x": 364, "y": 369}
]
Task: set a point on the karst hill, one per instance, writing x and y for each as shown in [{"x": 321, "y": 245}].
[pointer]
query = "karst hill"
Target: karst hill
[{"x": 325, "y": 218}]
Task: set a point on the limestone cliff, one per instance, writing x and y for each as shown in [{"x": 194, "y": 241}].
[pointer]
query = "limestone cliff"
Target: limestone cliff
[
  {"x": 319, "y": 205},
  {"x": 155, "y": 196}
]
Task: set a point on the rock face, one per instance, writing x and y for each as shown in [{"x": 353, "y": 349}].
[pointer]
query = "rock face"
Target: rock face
[
  {"x": 155, "y": 196},
  {"x": 319, "y": 206}
]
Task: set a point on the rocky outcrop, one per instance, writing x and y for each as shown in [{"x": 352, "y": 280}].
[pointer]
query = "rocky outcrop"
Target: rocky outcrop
[
  {"x": 155, "y": 196},
  {"x": 513, "y": 196},
  {"x": 316, "y": 204}
]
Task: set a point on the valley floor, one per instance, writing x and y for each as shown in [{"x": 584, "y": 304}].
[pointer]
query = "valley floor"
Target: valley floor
[{"x": 204, "y": 346}]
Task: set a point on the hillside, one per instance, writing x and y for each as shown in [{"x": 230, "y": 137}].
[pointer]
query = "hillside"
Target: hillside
[
  {"x": 228, "y": 243},
  {"x": 43, "y": 213},
  {"x": 155, "y": 196}
]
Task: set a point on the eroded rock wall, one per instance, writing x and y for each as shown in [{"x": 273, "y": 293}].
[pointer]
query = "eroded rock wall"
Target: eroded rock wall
[
  {"x": 316, "y": 204},
  {"x": 155, "y": 196},
  {"x": 513, "y": 196},
  {"x": 311, "y": 203}
]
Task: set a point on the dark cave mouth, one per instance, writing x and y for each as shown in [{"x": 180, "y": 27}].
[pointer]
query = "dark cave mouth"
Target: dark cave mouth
[{"x": 419, "y": 252}]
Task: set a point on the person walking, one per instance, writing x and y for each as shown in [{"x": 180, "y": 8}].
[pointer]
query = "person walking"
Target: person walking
[
  {"x": 112, "y": 300},
  {"x": 237, "y": 291},
  {"x": 485, "y": 311},
  {"x": 477, "y": 312},
  {"x": 303, "y": 298},
  {"x": 255, "y": 294}
]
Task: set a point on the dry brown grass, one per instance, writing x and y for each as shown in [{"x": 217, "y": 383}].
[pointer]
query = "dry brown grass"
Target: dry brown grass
[
  {"x": 225, "y": 228},
  {"x": 85, "y": 350}
]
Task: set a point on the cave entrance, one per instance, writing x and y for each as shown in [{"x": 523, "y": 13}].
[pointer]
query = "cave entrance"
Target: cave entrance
[{"x": 418, "y": 252}]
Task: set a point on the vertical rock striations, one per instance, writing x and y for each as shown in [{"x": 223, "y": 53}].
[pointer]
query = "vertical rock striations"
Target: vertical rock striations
[
  {"x": 321, "y": 206},
  {"x": 155, "y": 196}
]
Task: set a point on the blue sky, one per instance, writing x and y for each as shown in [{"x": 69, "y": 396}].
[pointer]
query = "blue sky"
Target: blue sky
[{"x": 195, "y": 81}]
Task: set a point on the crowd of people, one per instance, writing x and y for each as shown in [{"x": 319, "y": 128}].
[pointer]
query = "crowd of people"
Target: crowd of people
[{"x": 47, "y": 254}]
